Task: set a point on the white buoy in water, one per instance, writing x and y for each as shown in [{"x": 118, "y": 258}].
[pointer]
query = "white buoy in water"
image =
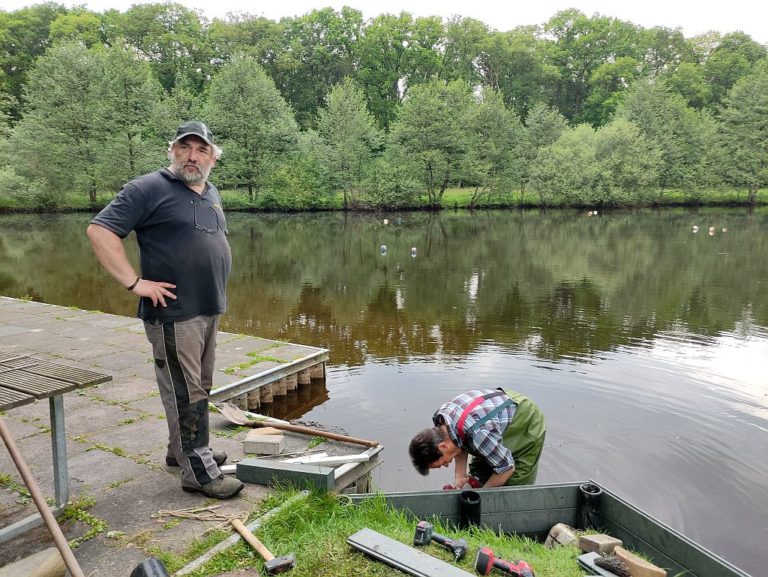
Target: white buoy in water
[
  {"x": 695, "y": 229},
  {"x": 383, "y": 250},
  {"x": 386, "y": 221},
  {"x": 413, "y": 251},
  {"x": 711, "y": 231},
  {"x": 725, "y": 229}
]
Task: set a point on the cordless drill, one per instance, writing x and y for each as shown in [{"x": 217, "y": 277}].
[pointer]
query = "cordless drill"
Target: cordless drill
[
  {"x": 486, "y": 561},
  {"x": 425, "y": 532}
]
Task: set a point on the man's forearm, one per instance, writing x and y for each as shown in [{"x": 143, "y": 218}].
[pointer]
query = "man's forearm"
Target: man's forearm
[
  {"x": 460, "y": 469},
  {"x": 498, "y": 479},
  {"x": 110, "y": 252}
]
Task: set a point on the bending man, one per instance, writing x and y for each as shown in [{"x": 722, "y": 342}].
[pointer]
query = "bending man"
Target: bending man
[{"x": 501, "y": 430}]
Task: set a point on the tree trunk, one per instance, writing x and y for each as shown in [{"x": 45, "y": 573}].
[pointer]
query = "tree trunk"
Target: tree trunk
[{"x": 752, "y": 194}]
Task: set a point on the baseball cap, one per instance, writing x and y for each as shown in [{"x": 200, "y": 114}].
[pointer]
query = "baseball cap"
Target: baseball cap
[{"x": 194, "y": 128}]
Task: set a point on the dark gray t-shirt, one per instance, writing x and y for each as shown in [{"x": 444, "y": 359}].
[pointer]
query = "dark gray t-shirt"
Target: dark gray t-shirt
[{"x": 182, "y": 240}]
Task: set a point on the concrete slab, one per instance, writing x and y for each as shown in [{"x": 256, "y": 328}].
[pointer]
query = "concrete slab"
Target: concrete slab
[
  {"x": 259, "y": 444},
  {"x": 97, "y": 417},
  {"x": 140, "y": 438}
]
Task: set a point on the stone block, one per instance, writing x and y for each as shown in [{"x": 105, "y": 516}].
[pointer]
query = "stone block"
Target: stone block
[
  {"x": 260, "y": 444},
  {"x": 267, "y": 431},
  {"x": 559, "y": 535},
  {"x": 266, "y": 472},
  {"x": 45, "y": 563},
  {"x": 638, "y": 567},
  {"x": 602, "y": 544}
]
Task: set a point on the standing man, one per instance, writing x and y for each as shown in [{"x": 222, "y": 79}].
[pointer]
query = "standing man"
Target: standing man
[
  {"x": 185, "y": 261},
  {"x": 502, "y": 430}
]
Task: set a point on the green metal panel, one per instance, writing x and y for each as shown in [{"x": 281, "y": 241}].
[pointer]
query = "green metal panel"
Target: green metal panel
[
  {"x": 265, "y": 472},
  {"x": 530, "y": 511},
  {"x": 402, "y": 557},
  {"x": 533, "y": 510},
  {"x": 665, "y": 546}
]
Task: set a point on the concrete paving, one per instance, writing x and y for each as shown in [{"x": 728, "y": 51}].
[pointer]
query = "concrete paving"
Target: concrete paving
[{"x": 116, "y": 438}]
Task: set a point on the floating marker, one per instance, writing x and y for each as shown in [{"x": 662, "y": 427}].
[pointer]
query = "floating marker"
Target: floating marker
[
  {"x": 413, "y": 251},
  {"x": 383, "y": 250}
]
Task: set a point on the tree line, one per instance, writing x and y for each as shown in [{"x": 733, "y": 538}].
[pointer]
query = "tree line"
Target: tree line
[{"x": 328, "y": 109}]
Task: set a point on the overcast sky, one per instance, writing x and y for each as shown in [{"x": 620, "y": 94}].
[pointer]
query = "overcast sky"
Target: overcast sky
[{"x": 692, "y": 16}]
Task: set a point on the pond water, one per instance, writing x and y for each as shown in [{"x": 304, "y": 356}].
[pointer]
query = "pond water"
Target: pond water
[{"x": 643, "y": 339}]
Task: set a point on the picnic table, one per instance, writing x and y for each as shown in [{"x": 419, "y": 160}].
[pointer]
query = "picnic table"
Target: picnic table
[{"x": 25, "y": 379}]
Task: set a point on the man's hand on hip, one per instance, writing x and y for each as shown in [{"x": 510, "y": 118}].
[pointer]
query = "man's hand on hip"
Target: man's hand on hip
[{"x": 156, "y": 291}]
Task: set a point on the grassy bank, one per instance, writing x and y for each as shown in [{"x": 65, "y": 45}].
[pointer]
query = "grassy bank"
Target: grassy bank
[
  {"x": 316, "y": 528},
  {"x": 238, "y": 200}
]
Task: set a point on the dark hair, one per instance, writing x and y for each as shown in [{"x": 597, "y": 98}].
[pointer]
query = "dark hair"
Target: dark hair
[{"x": 424, "y": 449}]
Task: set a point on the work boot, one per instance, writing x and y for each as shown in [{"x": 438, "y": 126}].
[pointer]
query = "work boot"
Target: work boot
[
  {"x": 220, "y": 488},
  {"x": 219, "y": 457}
]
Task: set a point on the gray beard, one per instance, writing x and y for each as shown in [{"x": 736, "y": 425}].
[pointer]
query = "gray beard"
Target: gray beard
[{"x": 188, "y": 178}]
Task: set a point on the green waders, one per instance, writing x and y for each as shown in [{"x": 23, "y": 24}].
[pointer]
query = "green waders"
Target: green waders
[{"x": 524, "y": 437}]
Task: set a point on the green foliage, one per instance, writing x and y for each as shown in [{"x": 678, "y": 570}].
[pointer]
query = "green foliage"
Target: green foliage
[
  {"x": 689, "y": 82},
  {"x": 24, "y": 36},
  {"x": 744, "y": 132},
  {"x": 630, "y": 163},
  {"x": 89, "y": 100},
  {"x": 351, "y": 136},
  {"x": 432, "y": 126},
  {"x": 495, "y": 157},
  {"x": 79, "y": 25},
  {"x": 567, "y": 172},
  {"x": 518, "y": 65},
  {"x": 253, "y": 124},
  {"x": 60, "y": 138},
  {"x": 316, "y": 54},
  {"x": 301, "y": 181},
  {"x": 77, "y": 510},
  {"x": 171, "y": 38},
  {"x": 391, "y": 181},
  {"x": 685, "y": 137}
]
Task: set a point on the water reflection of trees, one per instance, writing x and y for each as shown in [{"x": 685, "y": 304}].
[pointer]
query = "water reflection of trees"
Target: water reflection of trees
[{"x": 556, "y": 285}]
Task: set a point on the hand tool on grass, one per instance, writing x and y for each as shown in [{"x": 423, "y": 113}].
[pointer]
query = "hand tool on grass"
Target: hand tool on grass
[
  {"x": 272, "y": 565},
  {"x": 237, "y": 416},
  {"x": 425, "y": 532},
  {"x": 486, "y": 561}
]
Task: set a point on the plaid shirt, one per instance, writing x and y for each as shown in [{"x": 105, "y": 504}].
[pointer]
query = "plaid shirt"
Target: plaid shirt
[{"x": 486, "y": 440}]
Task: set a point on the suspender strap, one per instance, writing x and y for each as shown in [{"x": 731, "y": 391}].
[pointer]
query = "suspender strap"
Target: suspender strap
[{"x": 472, "y": 405}]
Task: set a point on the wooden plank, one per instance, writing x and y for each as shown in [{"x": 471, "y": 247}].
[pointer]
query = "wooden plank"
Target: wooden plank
[
  {"x": 7, "y": 357},
  {"x": 10, "y": 398},
  {"x": 329, "y": 459},
  {"x": 347, "y": 474},
  {"x": 402, "y": 557},
  {"x": 265, "y": 472},
  {"x": 79, "y": 377},
  {"x": 268, "y": 376},
  {"x": 38, "y": 386}
]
